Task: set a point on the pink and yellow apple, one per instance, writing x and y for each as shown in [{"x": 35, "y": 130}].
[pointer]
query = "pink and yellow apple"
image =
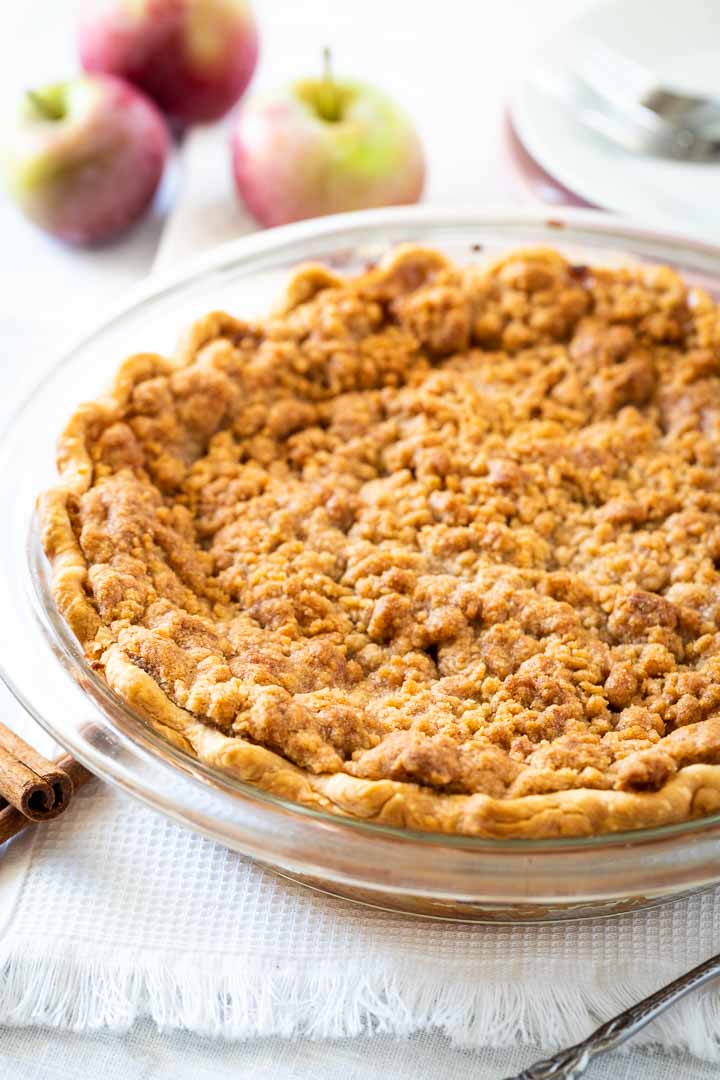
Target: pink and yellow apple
[
  {"x": 193, "y": 57},
  {"x": 85, "y": 156},
  {"x": 323, "y": 146}
]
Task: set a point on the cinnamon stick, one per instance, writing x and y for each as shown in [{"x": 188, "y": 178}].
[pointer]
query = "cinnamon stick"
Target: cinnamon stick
[
  {"x": 38, "y": 788},
  {"x": 12, "y": 821}
]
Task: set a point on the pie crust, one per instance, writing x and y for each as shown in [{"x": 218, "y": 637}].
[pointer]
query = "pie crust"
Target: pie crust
[{"x": 434, "y": 546}]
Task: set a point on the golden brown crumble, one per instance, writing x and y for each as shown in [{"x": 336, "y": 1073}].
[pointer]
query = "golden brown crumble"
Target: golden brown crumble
[{"x": 456, "y": 528}]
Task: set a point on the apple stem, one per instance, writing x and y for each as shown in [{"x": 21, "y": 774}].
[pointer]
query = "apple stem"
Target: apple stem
[
  {"x": 327, "y": 64},
  {"x": 329, "y": 105},
  {"x": 49, "y": 110}
]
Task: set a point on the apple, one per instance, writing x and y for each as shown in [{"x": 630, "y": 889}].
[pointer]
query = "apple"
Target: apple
[
  {"x": 85, "y": 156},
  {"x": 193, "y": 57},
  {"x": 323, "y": 146}
]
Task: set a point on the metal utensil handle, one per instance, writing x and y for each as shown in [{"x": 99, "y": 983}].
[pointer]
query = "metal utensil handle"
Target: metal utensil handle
[{"x": 571, "y": 1063}]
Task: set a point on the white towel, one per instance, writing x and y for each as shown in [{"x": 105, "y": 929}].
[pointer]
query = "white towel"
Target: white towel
[{"x": 114, "y": 913}]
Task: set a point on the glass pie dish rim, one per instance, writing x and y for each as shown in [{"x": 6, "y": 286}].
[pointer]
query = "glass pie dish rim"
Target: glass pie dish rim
[{"x": 273, "y": 244}]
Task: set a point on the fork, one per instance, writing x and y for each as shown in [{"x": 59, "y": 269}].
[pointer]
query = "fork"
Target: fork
[
  {"x": 572, "y": 1062},
  {"x": 679, "y": 143},
  {"x": 634, "y": 90}
]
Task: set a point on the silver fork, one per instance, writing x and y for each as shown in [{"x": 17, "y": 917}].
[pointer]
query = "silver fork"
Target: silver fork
[
  {"x": 680, "y": 143},
  {"x": 635, "y": 90},
  {"x": 571, "y": 1063}
]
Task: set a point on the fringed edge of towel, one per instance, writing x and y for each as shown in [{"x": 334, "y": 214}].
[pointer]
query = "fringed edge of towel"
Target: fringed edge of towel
[{"x": 84, "y": 988}]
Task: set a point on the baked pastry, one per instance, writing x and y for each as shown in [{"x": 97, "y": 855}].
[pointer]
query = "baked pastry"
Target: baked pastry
[{"x": 433, "y": 546}]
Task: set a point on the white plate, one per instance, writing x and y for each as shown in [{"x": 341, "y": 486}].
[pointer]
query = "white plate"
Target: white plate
[{"x": 680, "y": 43}]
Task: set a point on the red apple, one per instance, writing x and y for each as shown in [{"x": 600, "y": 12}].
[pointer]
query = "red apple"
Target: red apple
[
  {"x": 85, "y": 157},
  {"x": 194, "y": 57},
  {"x": 323, "y": 146}
]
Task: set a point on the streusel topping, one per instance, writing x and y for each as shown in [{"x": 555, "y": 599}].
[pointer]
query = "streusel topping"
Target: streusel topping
[{"x": 451, "y": 526}]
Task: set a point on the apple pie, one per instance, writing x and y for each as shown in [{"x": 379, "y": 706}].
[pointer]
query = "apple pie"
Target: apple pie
[{"x": 433, "y": 546}]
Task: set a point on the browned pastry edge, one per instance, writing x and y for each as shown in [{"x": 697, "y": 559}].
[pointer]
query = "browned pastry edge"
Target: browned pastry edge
[{"x": 693, "y": 792}]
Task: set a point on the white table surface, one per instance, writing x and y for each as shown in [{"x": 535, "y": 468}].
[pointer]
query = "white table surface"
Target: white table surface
[{"x": 452, "y": 64}]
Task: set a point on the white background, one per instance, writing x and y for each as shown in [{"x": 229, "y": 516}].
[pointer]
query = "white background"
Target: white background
[{"x": 451, "y": 63}]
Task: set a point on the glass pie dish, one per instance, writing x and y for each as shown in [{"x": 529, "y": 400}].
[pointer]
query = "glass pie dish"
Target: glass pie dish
[{"x": 430, "y": 874}]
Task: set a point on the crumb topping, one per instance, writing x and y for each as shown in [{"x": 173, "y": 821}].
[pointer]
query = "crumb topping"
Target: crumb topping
[{"x": 451, "y": 526}]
